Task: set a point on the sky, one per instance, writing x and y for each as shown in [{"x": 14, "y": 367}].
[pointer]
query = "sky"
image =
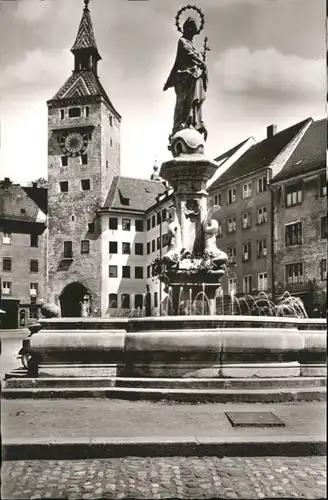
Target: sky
[{"x": 266, "y": 65}]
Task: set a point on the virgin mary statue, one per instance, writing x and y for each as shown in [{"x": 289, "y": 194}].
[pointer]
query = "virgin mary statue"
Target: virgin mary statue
[{"x": 189, "y": 79}]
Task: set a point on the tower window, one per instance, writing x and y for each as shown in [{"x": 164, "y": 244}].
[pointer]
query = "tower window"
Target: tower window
[
  {"x": 91, "y": 227},
  {"x": 111, "y": 121},
  {"x": 106, "y": 163},
  {"x": 74, "y": 112},
  {"x": 6, "y": 238},
  {"x": 62, "y": 114},
  {"x": 63, "y": 186},
  {"x": 84, "y": 159},
  {"x": 22, "y": 211},
  {"x": 64, "y": 161},
  {"x": 86, "y": 111},
  {"x": 6, "y": 264},
  {"x": 111, "y": 142},
  {"x": 85, "y": 184},
  {"x": 33, "y": 239},
  {"x": 68, "y": 250},
  {"x": 85, "y": 246},
  {"x": 34, "y": 266}
]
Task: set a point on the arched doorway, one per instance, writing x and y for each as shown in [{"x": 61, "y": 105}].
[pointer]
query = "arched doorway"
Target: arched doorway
[{"x": 71, "y": 300}]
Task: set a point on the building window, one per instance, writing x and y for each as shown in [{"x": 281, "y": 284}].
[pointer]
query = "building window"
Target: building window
[
  {"x": 148, "y": 271},
  {"x": 153, "y": 221},
  {"x": 85, "y": 246},
  {"x": 232, "y": 285},
  {"x": 138, "y": 272},
  {"x": 165, "y": 240},
  {"x": 6, "y": 238},
  {"x": 126, "y": 224},
  {"x": 112, "y": 247},
  {"x": 6, "y": 264},
  {"x": 262, "y": 282},
  {"x": 294, "y": 273},
  {"x": 293, "y": 234},
  {"x": 112, "y": 271},
  {"x": 164, "y": 214},
  {"x": 34, "y": 266},
  {"x": 247, "y": 284},
  {"x": 246, "y": 220},
  {"x": 323, "y": 269},
  {"x": 159, "y": 220},
  {"x": 125, "y": 301},
  {"x": 34, "y": 239},
  {"x": 85, "y": 184},
  {"x": 34, "y": 288},
  {"x": 153, "y": 246},
  {"x": 84, "y": 159},
  {"x": 232, "y": 225},
  {"x": 111, "y": 121},
  {"x": 148, "y": 224},
  {"x": 231, "y": 198},
  {"x": 91, "y": 227},
  {"x": 113, "y": 222},
  {"x": 87, "y": 111},
  {"x": 148, "y": 248},
  {"x": 232, "y": 255},
  {"x": 138, "y": 301},
  {"x": 63, "y": 185},
  {"x": 126, "y": 273},
  {"x": 64, "y": 161},
  {"x": 293, "y": 195},
  {"x": 261, "y": 185},
  {"x": 247, "y": 252},
  {"x": 261, "y": 248},
  {"x": 6, "y": 287},
  {"x": 155, "y": 299},
  {"x": 323, "y": 227},
  {"x": 112, "y": 301},
  {"x": 68, "y": 250},
  {"x": 111, "y": 142},
  {"x": 218, "y": 199},
  {"x": 126, "y": 249},
  {"x": 74, "y": 112},
  {"x": 62, "y": 114},
  {"x": 139, "y": 225},
  {"x": 138, "y": 248},
  {"x": 323, "y": 185},
  {"x": 247, "y": 190},
  {"x": 262, "y": 215},
  {"x": 158, "y": 242}
]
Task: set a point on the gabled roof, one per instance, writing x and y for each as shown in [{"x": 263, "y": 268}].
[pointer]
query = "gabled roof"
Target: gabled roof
[
  {"x": 309, "y": 154},
  {"x": 129, "y": 193},
  {"x": 85, "y": 38},
  {"x": 230, "y": 152},
  {"x": 22, "y": 203},
  {"x": 260, "y": 155},
  {"x": 83, "y": 84}
]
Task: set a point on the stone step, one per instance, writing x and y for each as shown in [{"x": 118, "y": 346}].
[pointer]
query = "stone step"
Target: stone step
[
  {"x": 280, "y": 395},
  {"x": 165, "y": 383}
]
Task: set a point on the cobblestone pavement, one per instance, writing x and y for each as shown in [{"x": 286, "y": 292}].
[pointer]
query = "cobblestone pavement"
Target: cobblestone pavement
[{"x": 174, "y": 477}]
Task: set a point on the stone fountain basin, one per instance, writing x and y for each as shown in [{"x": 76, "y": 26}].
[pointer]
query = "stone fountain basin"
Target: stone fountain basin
[{"x": 180, "y": 346}]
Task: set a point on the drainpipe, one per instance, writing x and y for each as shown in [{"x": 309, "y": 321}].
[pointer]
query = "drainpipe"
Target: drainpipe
[{"x": 272, "y": 244}]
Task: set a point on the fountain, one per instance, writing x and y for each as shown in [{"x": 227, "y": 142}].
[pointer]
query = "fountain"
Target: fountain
[{"x": 194, "y": 340}]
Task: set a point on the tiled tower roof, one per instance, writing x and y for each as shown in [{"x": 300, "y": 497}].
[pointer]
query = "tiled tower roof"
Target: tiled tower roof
[{"x": 85, "y": 38}]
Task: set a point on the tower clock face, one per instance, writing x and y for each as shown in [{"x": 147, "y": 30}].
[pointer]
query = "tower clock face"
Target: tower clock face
[{"x": 74, "y": 143}]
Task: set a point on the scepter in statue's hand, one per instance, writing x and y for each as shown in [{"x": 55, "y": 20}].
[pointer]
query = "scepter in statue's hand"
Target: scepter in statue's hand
[{"x": 205, "y": 49}]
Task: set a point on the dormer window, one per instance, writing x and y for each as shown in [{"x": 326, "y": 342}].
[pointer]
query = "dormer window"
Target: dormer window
[{"x": 74, "y": 112}]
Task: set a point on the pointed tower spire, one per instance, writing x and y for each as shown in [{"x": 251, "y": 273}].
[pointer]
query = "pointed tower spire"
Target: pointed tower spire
[{"x": 85, "y": 49}]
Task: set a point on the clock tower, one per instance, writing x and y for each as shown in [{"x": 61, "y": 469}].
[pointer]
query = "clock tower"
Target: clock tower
[{"x": 83, "y": 158}]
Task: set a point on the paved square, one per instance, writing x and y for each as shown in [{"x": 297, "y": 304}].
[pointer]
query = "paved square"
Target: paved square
[{"x": 254, "y": 419}]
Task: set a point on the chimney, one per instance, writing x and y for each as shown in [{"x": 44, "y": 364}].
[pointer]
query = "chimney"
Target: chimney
[
  {"x": 271, "y": 130},
  {"x": 34, "y": 185}
]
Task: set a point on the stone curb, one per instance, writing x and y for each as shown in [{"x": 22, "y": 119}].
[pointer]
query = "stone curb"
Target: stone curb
[{"x": 83, "y": 448}]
